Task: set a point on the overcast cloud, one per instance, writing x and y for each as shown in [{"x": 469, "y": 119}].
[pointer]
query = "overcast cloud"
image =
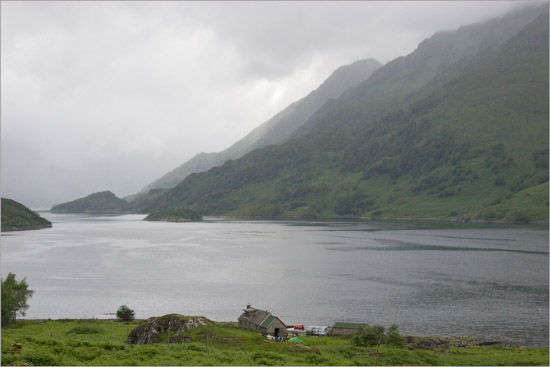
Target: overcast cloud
[{"x": 112, "y": 95}]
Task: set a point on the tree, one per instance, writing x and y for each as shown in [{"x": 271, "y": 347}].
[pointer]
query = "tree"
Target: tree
[
  {"x": 369, "y": 336},
  {"x": 394, "y": 338},
  {"x": 14, "y": 298},
  {"x": 373, "y": 336},
  {"x": 124, "y": 313}
]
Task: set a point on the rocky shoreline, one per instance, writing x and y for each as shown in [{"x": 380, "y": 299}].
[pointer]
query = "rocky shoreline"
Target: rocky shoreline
[{"x": 444, "y": 343}]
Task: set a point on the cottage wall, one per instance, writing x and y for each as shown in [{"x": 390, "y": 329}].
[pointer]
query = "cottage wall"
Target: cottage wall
[
  {"x": 244, "y": 324},
  {"x": 342, "y": 331},
  {"x": 277, "y": 324},
  {"x": 343, "y": 328}
]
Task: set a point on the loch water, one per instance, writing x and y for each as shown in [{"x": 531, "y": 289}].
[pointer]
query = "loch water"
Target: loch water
[{"x": 430, "y": 278}]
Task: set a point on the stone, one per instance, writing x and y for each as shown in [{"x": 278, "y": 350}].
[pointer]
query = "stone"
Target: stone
[{"x": 167, "y": 329}]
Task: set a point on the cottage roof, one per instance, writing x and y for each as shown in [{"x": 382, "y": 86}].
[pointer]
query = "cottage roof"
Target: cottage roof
[
  {"x": 254, "y": 316},
  {"x": 348, "y": 325},
  {"x": 268, "y": 321}
]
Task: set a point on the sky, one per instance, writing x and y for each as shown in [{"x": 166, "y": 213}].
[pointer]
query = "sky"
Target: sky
[{"x": 106, "y": 95}]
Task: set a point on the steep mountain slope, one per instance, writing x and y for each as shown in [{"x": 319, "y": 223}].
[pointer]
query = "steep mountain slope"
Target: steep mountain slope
[
  {"x": 428, "y": 135},
  {"x": 277, "y": 129},
  {"x": 104, "y": 202},
  {"x": 391, "y": 87},
  {"x": 17, "y": 217}
]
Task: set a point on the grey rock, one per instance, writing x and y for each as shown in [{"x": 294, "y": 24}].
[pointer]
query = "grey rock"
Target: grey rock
[{"x": 167, "y": 329}]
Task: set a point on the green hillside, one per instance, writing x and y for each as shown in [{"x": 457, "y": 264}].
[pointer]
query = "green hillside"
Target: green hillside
[
  {"x": 399, "y": 82},
  {"x": 446, "y": 132},
  {"x": 175, "y": 215},
  {"x": 102, "y": 343},
  {"x": 104, "y": 202},
  {"x": 17, "y": 217}
]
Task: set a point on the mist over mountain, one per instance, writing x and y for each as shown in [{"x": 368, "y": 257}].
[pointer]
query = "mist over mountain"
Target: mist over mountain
[
  {"x": 399, "y": 81},
  {"x": 277, "y": 129},
  {"x": 456, "y": 129}
]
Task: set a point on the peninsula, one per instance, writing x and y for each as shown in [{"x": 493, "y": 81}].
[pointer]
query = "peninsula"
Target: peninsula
[{"x": 17, "y": 217}]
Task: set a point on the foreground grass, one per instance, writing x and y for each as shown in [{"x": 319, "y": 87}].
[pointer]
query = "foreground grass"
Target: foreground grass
[{"x": 101, "y": 342}]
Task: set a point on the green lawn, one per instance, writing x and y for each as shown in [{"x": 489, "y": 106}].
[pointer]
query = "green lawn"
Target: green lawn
[{"x": 101, "y": 342}]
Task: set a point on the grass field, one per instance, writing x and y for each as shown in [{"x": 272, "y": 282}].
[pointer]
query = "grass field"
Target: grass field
[{"x": 102, "y": 343}]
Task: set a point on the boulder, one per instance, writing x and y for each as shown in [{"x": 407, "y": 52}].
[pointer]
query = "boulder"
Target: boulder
[{"x": 167, "y": 329}]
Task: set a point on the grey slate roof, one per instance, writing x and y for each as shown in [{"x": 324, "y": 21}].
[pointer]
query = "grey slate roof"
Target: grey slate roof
[{"x": 254, "y": 316}]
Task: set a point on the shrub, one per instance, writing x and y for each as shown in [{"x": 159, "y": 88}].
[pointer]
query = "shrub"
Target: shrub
[
  {"x": 108, "y": 346},
  {"x": 521, "y": 217},
  {"x": 125, "y": 314},
  {"x": 39, "y": 357},
  {"x": 194, "y": 348},
  {"x": 8, "y": 359},
  {"x": 266, "y": 359},
  {"x": 369, "y": 336},
  {"x": 394, "y": 338},
  {"x": 86, "y": 329},
  {"x": 499, "y": 182},
  {"x": 85, "y": 353},
  {"x": 314, "y": 359},
  {"x": 372, "y": 336}
]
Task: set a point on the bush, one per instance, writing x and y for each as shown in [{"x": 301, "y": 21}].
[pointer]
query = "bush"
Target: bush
[
  {"x": 373, "y": 336},
  {"x": 39, "y": 357},
  {"x": 369, "y": 336},
  {"x": 521, "y": 217},
  {"x": 86, "y": 329},
  {"x": 394, "y": 338},
  {"x": 314, "y": 359},
  {"x": 355, "y": 204},
  {"x": 125, "y": 314},
  {"x": 499, "y": 182},
  {"x": 267, "y": 359}
]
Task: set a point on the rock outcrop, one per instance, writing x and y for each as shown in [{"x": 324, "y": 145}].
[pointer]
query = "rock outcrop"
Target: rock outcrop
[
  {"x": 165, "y": 329},
  {"x": 444, "y": 343}
]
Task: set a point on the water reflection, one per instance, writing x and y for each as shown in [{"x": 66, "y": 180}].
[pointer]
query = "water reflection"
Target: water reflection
[{"x": 430, "y": 278}]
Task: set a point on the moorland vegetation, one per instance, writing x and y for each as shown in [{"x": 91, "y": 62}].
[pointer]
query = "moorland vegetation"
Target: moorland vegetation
[{"x": 102, "y": 343}]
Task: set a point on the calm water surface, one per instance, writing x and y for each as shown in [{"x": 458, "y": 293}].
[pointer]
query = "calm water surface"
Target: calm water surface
[{"x": 429, "y": 278}]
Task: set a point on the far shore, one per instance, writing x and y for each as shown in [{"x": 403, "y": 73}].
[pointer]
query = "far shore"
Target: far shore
[
  {"x": 433, "y": 341},
  {"x": 320, "y": 219}
]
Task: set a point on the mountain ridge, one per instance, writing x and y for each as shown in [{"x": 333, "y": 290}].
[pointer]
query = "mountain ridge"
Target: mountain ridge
[
  {"x": 390, "y": 85},
  {"x": 104, "y": 202},
  {"x": 278, "y": 128},
  {"x": 409, "y": 160}
]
